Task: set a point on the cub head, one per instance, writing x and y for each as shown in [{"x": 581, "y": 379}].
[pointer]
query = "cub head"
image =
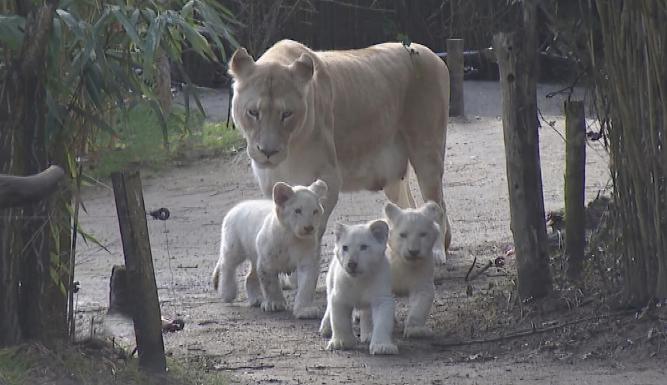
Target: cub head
[
  {"x": 269, "y": 104},
  {"x": 360, "y": 248},
  {"x": 299, "y": 208},
  {"x": 413, "y": 232}
]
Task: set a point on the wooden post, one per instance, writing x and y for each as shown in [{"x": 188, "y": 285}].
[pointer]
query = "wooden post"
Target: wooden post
[
  {"x": 140, "y": 274},
  {"x": 516, "y": 60},
  {"x": 575, "y": 176},
  {"x": 455, "y": 64}
]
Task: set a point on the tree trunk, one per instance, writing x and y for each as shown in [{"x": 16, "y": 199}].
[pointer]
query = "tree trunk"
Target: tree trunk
[{"x": 575, "y": 178}]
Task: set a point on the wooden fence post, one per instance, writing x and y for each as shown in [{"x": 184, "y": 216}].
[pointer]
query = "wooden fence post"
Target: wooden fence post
[
  {"x": 575, "y": 176},
  {"x": 516, "y": 61},
  {"x": 455, "y": 65},
  {"x": 139, "y": 263}
]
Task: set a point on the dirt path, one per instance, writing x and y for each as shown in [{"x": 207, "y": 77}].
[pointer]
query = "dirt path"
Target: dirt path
[{"x": 274, "y": 348}]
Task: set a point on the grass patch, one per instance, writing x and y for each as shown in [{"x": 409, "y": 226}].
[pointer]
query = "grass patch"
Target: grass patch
[
  {"x": 139, "y": 141},
  {"x": 90, "y": 364}
]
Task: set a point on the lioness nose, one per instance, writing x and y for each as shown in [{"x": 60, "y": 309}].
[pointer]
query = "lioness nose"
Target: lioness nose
[
  {"x": 413, "y": 253},
  {"x": 267, "y": 152},
  {"x": 351, "y": 265},
  {"x": 308, "y": 229}
]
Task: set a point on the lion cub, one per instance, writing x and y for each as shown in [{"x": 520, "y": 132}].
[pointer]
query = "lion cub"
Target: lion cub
[
  {"x": 359, "y": 278},
  {"x": 279, "y": 236},
  {"x": 412, "y": 235}
]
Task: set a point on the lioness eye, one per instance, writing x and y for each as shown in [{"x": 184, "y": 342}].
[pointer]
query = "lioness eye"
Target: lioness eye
[
  {"x": 403, "y": 235},
  {"x": 298, "y": 211},
  {"x": 253, "y": 113},
  {"x": 344, "y": 247},
  {"x": 363, "y": 247},
  {"x": 422, "y": 234},
  {"x": 286, "y": 115}
]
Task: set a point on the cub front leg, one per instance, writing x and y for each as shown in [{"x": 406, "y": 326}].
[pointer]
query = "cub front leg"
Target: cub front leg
[
  {"x": 325, "y": 325},
  {"x": 365, "y": 325},
  {"x": 420, "y": 303},
  {"x": 383, "y": 325},
  {"x": 307, "y": 274},
  {"x": 342, "y": 337},
  {"x": 270, "y": 284}
]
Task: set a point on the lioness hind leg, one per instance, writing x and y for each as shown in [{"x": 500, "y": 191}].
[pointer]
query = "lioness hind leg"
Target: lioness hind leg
[{"x": 398, "y": 192}]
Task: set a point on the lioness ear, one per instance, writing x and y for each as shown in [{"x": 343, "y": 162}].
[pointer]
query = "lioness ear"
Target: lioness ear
[
  {"x": 380, "y": 230},
  {"x": 282, "y": 192},
  {"x": 433, "y": 211},
  {"x": 339, "y": 230},
  {"x": 303, "y": 68},
  {"x": 319, "y": 187},
  {"x": 391, "y": 211},
  {"x": 242, "y": 64}
]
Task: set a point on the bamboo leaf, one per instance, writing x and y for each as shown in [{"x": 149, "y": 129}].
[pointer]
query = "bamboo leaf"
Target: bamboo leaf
[{"x": 11, "y": 30}]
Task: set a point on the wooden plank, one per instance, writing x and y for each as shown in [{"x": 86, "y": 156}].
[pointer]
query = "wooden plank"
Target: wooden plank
[
  {"x": 140, "y": 275},
  {"x": 455, "y": 65},
  {"x": 516, "y": 60},
  {"x": 575, "y": 176},
  {"x": 23, "y": 190}
]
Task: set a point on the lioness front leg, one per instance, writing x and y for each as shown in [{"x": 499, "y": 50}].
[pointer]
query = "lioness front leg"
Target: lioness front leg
[
  {"x": 420, "y": 303},
  {"x": 325, "y": 325},
  {"x": 383, "y": 325},
  {"x": 273, "y": 295},
  {"x": 307, "y": 281},
  {"x": 342, "y": 337}
]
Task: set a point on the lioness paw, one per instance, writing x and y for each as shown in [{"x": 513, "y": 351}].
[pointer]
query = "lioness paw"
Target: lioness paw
[
  {"x": 340, "y": 344},
  {"x": 439, "y": 254},
  {"x": 325, "y": 329},
  {"x": 417, "y": 331},
  {"x": 254, "y": 302},
  {"x": 308, "y": 312},
  {"x": 378, "y": 349},
  {"x": 272, "y": 306}
]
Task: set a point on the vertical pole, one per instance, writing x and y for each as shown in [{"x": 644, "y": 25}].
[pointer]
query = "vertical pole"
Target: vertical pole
[
  {"x": 455, "y": 64},
  {"x": 516, "y": 55},
  {"x": 575, "y": 176},
  {"x": 140, "y": 275}
]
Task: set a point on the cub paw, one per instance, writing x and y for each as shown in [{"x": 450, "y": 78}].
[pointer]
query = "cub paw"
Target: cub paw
[
  {"x": 307, "y": 312},
  {"x": 340, "y": 344},
  {"x": 325, "y": 329},
  {"x": 272, "y": 306},
  {"x": 417, "y": 331},
  {"x": 382, "y": 349},
  {"x": 439, "y": 254},
  {"x": 365, "y": 337},
  {"x": 254, "y": 302}
]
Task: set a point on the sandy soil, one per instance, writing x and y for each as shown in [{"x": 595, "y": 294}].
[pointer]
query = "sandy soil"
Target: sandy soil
[{"x": 275, "y": 348}]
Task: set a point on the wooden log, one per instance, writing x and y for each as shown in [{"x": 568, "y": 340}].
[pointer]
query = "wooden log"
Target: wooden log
[
  {"x": 139, "y": 264},
  {"x": 516, "y": 60},
  {"x": 575, "y": 174},
  {"x": 455, "y": 64},
  {"x": 23, "y": 190}
]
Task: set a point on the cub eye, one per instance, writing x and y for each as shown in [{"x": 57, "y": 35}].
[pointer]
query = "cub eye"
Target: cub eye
[
  {"x": 297, "y": 211},
  {"x": 363, "y": 247},
  {"x": 286, "y": 115},
  {"x": 403, "y": 235},
  {"x": 344, "y": 247},
  {"x": 253, "y": 113},
  {"x": 422, "y": 234}
]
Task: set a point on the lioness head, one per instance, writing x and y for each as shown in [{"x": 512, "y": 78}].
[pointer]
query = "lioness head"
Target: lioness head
[
  {"x": 269, "y": 104},
  {"x": 360, "y": 248},
  {"x": 413, "y": 232},
  {"x": 299, "y": 208}
]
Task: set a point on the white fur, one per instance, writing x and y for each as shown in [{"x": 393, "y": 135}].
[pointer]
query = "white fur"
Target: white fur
[
  {"x": 412, "y": 235},
  {"x": 279, "y": 236},
  {"x": 365, "y": 286}
]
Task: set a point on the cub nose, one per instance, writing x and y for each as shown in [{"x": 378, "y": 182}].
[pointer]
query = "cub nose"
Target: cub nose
[
  {"x": 413, "y": 253},
  {"x": 308, "y": 229},
  {"x": 352, "y": 265},
  {"x": 267, "y": 152}
]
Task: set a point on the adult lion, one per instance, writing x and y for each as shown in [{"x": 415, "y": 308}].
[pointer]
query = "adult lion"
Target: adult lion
[{"x": 351, "y": 118}]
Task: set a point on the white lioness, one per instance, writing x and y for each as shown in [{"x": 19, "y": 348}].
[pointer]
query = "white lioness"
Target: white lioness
[
  {"x": 359, "y": 278},
  {"x": 279, "y": 236},
  {"x": 354, "y": 119},
  {"x": 412, "y": 233}
]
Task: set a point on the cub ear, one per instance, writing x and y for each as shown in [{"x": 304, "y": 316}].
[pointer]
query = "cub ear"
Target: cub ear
[
  {"x": 433, "y": 211},
  {"x": 303, "y": 68},
  {"x": 319, "y": 187},
  {"x": 391, "y": 211},
  {"x": 339, "y": 230},
  {"x": 380, "y": 230},
  {"x": 241, "y": 64},
  {"x": 282, "y": 192}
]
